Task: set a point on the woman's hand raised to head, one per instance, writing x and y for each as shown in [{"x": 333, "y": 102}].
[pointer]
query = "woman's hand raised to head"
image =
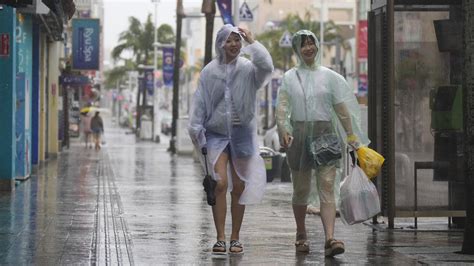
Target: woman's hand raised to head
[{"x": 247, "y": 35}]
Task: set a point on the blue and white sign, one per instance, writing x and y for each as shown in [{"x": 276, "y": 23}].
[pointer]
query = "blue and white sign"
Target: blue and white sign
[
  {"x": 245, "y": 14},
  {"x": 74, "y": 80},
  {"x": 85, "y": 44},
  {"x": 285, "y": 40}
]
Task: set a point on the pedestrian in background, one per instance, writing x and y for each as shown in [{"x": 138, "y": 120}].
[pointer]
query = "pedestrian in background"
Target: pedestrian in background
[
  {"x": 222, "y": 119},
  {"x": 316, "y": 111},
  {"x": 97, "y": 127},
  {"x": 86, "y": 128}
]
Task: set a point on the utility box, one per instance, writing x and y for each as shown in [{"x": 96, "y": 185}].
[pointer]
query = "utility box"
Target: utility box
[
  {"x": 146, "y": 128},
  {"x": 184, "y": 145}
]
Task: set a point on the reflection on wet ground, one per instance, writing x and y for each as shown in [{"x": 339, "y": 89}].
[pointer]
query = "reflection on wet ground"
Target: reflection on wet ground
[{"x": 134, "y": 203}]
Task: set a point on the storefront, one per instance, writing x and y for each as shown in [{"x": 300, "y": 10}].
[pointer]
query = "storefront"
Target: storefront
[{"x": 415, "y": 107}]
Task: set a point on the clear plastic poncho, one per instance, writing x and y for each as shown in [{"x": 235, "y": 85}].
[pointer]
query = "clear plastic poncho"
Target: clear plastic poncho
[
  {"x": 224, "y": 91},
  {"x": 322, "y": 103}
]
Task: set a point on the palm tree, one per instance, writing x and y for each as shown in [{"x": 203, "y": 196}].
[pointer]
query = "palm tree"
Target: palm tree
[
  {"x": 292, "y": 23},
  {"x": 138, "y": 40}
]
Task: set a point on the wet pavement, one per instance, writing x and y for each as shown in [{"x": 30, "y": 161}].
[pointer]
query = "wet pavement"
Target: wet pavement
[{"x": 134, "y": 203}]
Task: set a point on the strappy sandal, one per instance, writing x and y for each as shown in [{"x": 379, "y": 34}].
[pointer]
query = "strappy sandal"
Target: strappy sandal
[
  {"x": 333, "y": 247},
  {"x": 236, "y": 247},
  {"x": 301, "y": 244},
  {"x": 219, "y": 248}
]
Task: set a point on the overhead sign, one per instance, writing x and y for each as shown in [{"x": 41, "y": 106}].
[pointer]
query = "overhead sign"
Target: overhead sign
[
  {"x": 73, "y": 80},
  {"x": 245, "y": 14},
  {"x": 85, "y": 44},
  {"x": 285, "y": 40}
]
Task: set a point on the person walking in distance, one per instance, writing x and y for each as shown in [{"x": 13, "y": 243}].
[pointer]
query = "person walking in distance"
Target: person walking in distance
[
  {"x": 97, "y": 127},
  {"x": 86, "y": 128},
  {"x": 222, "y": 120},
  {"x": 316, "y": 112}
]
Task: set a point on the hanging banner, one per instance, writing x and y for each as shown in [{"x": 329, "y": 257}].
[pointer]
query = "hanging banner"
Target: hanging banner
[
  {"x": 85, "y": 44},
  {"x": 168, "y": 68},
  {"x": 276, "y": 84},
  {"x": 363, "y": 44},
  {"x": 149, "y": 81},
  {"x": 225, "y": 7}
]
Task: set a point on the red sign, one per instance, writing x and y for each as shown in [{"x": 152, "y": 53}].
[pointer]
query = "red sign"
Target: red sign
[
  {"x": 363, "y": 44},
  {"x": 4, "y": 44}
]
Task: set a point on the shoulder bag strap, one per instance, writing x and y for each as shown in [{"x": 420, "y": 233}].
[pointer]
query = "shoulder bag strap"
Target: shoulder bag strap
[{"x": 304, "y": 94}]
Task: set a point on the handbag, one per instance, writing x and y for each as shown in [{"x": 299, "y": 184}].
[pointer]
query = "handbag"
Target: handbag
[{"x": 325, "y": 149}]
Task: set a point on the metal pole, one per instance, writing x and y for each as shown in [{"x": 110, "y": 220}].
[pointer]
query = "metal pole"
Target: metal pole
[
  {"x": 156, "y": 127},
  {"x": 321, "y": 30},
  {"x": 179, "y": 20},
  {"x": 209, "y": 9}
]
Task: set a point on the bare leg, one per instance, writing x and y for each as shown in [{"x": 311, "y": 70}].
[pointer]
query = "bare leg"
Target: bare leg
[
  {"x": 237, "y": 210},
  {"x": 300, "y": 216},
  {"x": 219, "y": 210},
  {"x": 326, "y": 177},
  {"x": 328, "y": 217},
  {"x": 301, "y": 191}
]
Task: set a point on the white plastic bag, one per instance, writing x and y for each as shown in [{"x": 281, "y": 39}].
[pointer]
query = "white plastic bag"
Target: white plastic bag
[{"x": 359, "y": 197}]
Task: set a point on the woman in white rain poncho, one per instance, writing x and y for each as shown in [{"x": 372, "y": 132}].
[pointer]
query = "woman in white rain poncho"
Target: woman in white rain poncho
[
  {"x": 315, "y": 101},
  {"x": 222, "y": 119}
]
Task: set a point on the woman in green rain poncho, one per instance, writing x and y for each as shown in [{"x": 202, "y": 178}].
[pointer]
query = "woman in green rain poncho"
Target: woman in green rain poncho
[{"x": 315, "y": 104}]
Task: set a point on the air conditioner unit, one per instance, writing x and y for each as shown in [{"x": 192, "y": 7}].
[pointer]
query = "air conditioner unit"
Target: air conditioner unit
[{"x": 37, "y": 7}]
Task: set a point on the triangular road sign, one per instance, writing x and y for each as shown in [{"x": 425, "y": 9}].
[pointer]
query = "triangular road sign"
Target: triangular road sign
[
  {"x": 285, "y": 40},
  {"x": 245, "y": 14}
]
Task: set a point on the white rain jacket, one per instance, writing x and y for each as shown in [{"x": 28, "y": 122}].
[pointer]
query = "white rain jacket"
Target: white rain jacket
[{"x": 226, "y": 90}]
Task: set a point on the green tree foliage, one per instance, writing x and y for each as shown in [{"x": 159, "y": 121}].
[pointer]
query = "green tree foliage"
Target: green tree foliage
[
  {"x": 136, "y": 47},
  {"x": 293, "y": 23}
]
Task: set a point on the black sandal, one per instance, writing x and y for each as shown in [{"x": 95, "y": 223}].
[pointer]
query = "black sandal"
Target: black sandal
[
  {"x": 235, "y": 244},
  {"x": 219, "y": 247}
]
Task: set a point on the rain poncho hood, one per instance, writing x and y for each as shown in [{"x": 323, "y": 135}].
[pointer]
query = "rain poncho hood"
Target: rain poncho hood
[
  {"x": 227, "y": 91},
  {"x": 319, "y": 102},
  {"x": 296, "y": 45}
]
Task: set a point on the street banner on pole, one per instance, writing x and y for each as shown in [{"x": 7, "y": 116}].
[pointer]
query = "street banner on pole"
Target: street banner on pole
[
  {"x": 225, "y": 7},
  {"x": 85, "y": 44},
  {"x": 363, "y": 44},
  {"x": 276, "y": 84},
  {"x": 168, "y": 65},
  {"x": 149, "y": 81}
]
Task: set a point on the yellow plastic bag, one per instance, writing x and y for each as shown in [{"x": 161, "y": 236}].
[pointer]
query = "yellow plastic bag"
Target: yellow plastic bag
[{"x": 370, "y": 161}]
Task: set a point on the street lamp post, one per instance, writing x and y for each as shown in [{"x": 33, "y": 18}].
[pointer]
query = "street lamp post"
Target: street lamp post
[
  {"x": 156, "y": 97},
  {"x": 177, "y": 50}
]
